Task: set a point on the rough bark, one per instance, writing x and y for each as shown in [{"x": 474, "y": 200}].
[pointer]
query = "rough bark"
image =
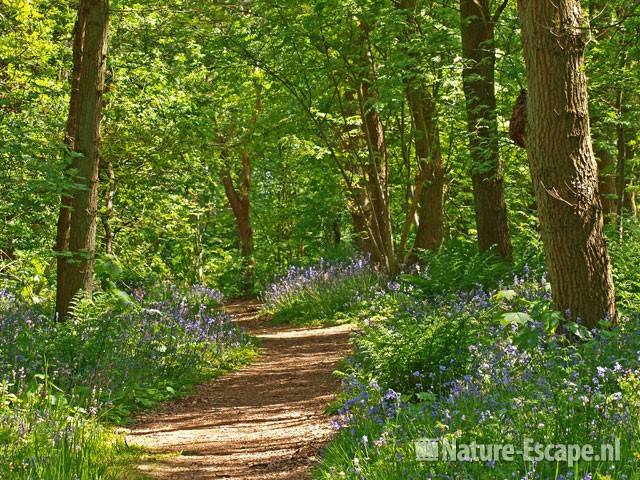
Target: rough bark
[
  {"x": 62, "y": 230},
  {"x": 478, "y": 47},
  {"x": 77, "y": 222},
  {"x": 562, "y": 162}
]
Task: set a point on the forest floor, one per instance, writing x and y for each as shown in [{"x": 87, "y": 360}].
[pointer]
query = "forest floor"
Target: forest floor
[{"x": 266, "y": 421}]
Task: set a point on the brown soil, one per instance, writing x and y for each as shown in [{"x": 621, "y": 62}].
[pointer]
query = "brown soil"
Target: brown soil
[{"x": 263, "y": 422}]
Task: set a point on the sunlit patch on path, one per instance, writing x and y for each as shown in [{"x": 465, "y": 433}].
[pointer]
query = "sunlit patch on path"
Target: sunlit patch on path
[{"x": 265, "y": 421}]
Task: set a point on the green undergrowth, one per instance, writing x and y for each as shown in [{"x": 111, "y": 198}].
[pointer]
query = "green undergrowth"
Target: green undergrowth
[
  {"x": 491, "y": 365},
  {"x": 65, "y": 387},
  {"x": 322, "y": 294}
]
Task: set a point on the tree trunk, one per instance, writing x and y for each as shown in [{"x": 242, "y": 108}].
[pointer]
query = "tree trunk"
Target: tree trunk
[
  {"x": 630, "y": 203},
  {"x": 376, "y": 175},
  {"x": 563, "y": 166},
  {"x": 621, "y": 165},
  {"x": 76, "y": 238},
  {"x": 479, "y": 87},
  {"x": 241, "y": 207},
  {"x": 430, "y": 230},
  {"x": 422, "y": 104},
  {"x": 606, "y": 183}
]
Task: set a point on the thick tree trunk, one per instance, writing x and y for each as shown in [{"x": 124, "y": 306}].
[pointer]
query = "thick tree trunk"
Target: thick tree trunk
[
  {"x": 563, "y": 166},
  {"x": 77, "y": 222},
  {"x": 479, "y": 87},
  {"x": 64, "y": 216}
]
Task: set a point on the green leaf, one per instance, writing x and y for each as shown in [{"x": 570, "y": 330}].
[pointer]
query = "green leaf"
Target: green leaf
[
  {"x": 507, "y": 295},
  {"x": 519, "y": 318}
]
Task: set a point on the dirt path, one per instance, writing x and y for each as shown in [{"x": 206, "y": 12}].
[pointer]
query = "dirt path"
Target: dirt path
[{"x": 263, "y": 422}]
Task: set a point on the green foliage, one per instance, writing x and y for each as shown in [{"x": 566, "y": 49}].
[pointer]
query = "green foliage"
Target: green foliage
[
  {"x": 625, "y": 256},
  {"x": 62, "y": 384},
  {"x": 45, "y": 434},
  {"x": 507, "y": 377},
  {"x": 400, "y": 339},
  {"x": 323, "y": 293}
]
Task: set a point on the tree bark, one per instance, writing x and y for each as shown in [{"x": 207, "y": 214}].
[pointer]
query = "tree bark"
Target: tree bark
[
  {"x": 430, "y": 229},
  {"x": 241, "y": 208},
  {"x": 76, "y": 237},
  {"x": 478, "y": 76},
  {"x": 562, "y": 162},
  {"x": 430, "y": 182},
  {"x": 376, "y": 175}
]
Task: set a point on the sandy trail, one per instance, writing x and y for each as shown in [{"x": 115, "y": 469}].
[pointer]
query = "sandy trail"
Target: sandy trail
[{"x": 263, "y": 422}]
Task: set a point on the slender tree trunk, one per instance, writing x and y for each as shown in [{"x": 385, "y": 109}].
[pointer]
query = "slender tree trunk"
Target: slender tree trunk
[
  {"x": 77, "y": 222},
  {"x": 376, "y": 175},
  {"x": 606, "y": 184},
  {"x": 563, "y": 166},
  {"x": 198, "y": 249},
  {"x": 621, "y": 165},
  {"x": 336, "y": 229},
  {"x": 479, "y": 86},
  {"x": 241, "y": 208},
  {"x": 630, "y": 203},
  {"x": 360, "y": 210},
  {"x": 358, "y": 202}
]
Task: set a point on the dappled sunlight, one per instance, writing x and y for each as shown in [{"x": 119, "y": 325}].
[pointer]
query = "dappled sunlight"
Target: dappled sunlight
[{"x": 258, "y": 422}]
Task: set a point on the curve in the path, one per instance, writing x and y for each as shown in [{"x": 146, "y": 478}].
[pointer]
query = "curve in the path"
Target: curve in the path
[{"x": 263, "y": 422}]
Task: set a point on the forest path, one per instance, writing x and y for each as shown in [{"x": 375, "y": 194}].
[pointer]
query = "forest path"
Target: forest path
[{"x": 263, "y": 422}]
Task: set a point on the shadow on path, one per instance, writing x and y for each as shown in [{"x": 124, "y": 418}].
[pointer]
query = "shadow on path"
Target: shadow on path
[{"x": 262, "y": 422}]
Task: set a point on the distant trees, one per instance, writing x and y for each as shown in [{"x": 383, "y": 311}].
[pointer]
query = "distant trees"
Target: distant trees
[
  {"x": 563, "y": 165},
  {"x": 367, "y": 121},
  {"x": 76, "y": 235}
]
